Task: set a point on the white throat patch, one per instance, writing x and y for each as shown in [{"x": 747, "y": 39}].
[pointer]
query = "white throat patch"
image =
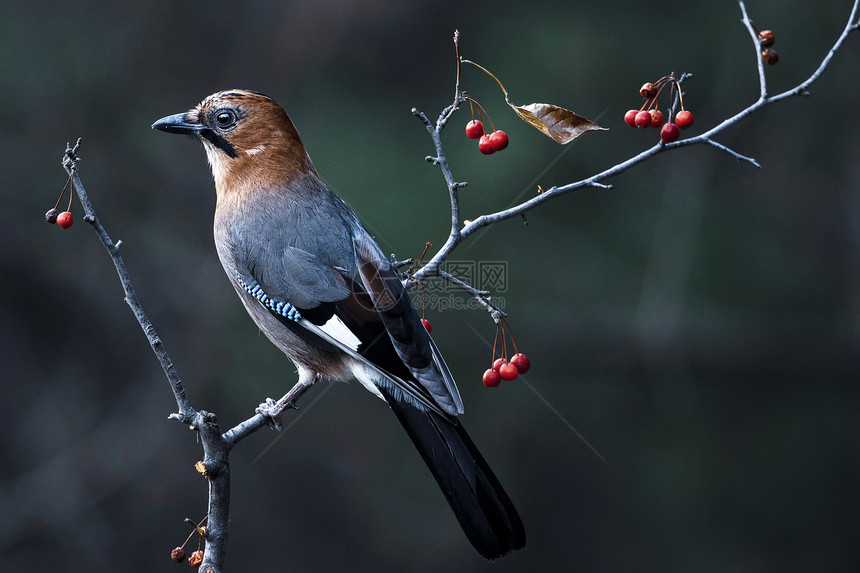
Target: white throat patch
[{"x": 216, "y": 162}]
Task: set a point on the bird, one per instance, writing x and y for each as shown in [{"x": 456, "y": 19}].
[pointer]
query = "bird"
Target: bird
[{"x": 317, "y": 284}]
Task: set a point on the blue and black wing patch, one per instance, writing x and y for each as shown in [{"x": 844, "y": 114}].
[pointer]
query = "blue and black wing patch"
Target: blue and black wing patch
[{"x": 281, "y": 308}]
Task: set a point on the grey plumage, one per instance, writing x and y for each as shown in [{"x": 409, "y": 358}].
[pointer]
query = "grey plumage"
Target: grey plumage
[{"x": 317, "y": 256}]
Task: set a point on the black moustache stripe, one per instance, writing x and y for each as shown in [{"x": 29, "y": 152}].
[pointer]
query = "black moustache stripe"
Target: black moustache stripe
[{"x": 219, "y": 142}]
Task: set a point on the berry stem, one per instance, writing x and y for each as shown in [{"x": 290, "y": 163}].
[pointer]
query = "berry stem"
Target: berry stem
[
  {"x": 481, "y": 109},
  {"x": 489, "y": 73},
  {"x": 423, "y": 291},
  {"x": 672, "y": 111},
  {"x": 504, "y": 343},
  {"x": 654, "y": 102},
  {"x": 63, "y": 192},
  {"x": 511, "y": 332},
  {"x": 196, "y": 530},
  {"x": 427, "y": 245}
]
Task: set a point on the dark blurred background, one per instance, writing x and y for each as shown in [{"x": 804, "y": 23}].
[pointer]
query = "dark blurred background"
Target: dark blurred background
[{"x": 698, "y": 324}]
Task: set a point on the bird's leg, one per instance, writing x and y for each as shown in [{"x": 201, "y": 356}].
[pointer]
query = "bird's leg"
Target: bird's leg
[{"x": 273, "y": 409}]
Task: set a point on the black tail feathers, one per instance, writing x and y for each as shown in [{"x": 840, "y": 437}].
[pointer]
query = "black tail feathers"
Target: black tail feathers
[{"x": 482, "y": 507}]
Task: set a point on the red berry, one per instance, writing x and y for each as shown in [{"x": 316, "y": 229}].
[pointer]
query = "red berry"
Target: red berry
[
  {"x": 770, "y": 56},
  {"x": 427, "y": 325},
  {"x": 630, "y": 117},
  {"x": 508, "y": 372},
  {"x": 491, "y": 378},
  {"x": 498, "y": 363},
  {"x": 670, "y": 133},
  {"x": 498, "y": 140},
  {"x": 196, "y": 558},
  {"x": 643, "y": 119},
  {"x": 648, "y": 90},
  {"x": 656, "y": 118},
  {"x": 474, "y": 129},
  {"x": 521, "y": 362},
  {"x": 484, "y": 145},
  {"x": 766, "y": 38},
  {"x": 684, "y": 119},
  {"x": 65, "y": 219}
]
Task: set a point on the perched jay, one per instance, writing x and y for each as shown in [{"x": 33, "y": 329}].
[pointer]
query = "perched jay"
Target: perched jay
[{"x": 319, "y": 287}]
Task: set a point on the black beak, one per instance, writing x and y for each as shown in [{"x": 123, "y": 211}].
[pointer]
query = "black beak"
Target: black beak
[{"x": 178, "y": 123}]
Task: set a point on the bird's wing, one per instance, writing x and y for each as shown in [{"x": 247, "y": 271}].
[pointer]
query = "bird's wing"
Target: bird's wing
[
  {"x": 410, "y": 339},
  {"x": 330, "y": 308}
]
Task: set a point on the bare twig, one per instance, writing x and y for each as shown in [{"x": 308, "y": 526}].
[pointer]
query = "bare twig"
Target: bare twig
[
  {"x": 400, "y": 264},
  {"x": 482, "y": 296},
  {"x": 70, "y": 163},
  {"x": 758, "y": 55},
  {"x": 731, "y": 152}
]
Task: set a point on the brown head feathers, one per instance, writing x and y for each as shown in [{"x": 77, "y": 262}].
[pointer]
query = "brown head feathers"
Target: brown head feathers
[{"x": 250, "y": 142}]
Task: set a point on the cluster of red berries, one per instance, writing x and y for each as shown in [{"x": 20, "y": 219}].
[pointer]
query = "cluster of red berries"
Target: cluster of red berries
[
  {"x": 178, "y": 553},
  {"x": 488, "y": 143},
  {"x": 65, "y": 218},
  {"x": 504, "y": 370},
  {"x": 766, "y": 39},
  {"x": 501, "y": 368},
  {"x": 650, "y": 116}
]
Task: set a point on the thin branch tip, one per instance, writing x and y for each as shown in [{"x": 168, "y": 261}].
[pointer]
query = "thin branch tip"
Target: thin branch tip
[{"x": 600, "y": 185}]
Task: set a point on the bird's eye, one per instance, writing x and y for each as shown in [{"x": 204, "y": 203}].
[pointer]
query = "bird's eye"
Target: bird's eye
[{"x": 225, "y": 118}]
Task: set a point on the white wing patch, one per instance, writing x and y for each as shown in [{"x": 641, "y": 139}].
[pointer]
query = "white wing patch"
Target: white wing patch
[
  {"x": 341, "y": 332},
  {"x": 337, "y": 333}
]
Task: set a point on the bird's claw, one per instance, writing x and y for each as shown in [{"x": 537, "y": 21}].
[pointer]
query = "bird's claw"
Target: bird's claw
[{"x": 272, "y": 410}]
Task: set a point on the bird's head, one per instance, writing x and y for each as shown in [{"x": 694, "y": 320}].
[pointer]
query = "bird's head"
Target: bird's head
[{"x": 249, "y": 140}]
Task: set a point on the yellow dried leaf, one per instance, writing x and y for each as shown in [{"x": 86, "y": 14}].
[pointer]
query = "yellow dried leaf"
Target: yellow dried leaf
[{"x": 558, "y": 123}]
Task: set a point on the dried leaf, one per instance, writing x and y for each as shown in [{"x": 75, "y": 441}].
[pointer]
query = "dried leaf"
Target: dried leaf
[{"x": 558, "y": 123}]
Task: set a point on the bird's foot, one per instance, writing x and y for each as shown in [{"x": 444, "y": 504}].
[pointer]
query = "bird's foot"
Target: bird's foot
[{"x": 272, "y": 410}]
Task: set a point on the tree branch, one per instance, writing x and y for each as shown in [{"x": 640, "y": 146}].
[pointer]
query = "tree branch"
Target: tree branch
[
  {"x": 758, "y": 55},
  {"x": 215, "y": 466},
  {"x": 482, "y": 296},
  {"x": 70, "y": 163},
  {"x": 458, "y": 235}
]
